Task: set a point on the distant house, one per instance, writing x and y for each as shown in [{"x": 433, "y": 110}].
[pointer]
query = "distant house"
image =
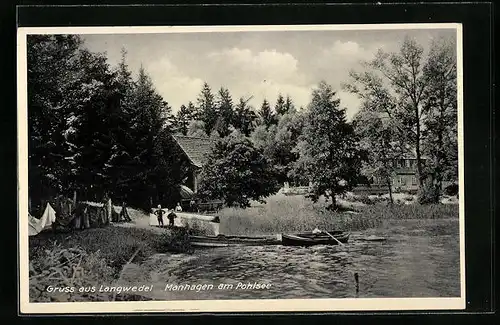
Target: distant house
[{"x": 404, "y": 179}]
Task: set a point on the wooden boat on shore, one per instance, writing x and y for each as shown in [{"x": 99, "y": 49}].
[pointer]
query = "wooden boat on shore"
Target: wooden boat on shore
[
  {"x": 225, "y": 240},
  {"x": 313, "y": 238},
  {"x": 301, "y": 239}
]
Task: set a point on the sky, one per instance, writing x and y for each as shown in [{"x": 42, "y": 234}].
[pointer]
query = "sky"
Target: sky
[{"x": 261, "y": 64}]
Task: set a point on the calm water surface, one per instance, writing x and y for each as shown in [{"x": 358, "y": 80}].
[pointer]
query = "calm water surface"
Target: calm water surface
[{"x": 420, "y": 258}]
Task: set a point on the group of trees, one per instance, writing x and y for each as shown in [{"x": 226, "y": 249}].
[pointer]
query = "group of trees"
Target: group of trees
[
  {"x": 409, "y": 106},
  {"x": 408, "y": 109},
  {"x": 279, "y": 144},
  {"x": 95, "y": 130}
]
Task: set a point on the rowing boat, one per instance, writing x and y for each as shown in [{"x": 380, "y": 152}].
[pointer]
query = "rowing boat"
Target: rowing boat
[
  {"x": 224, "y": 240},
  {"x": 312, "y": 238}
]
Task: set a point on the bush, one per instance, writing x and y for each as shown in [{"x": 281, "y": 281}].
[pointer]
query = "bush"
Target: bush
[
  {"x": 428, "y": 194},
  {"x": 175, "y": 241},
  {"x": 364, "y": 198},
  {"x": 451, "y": 190}
]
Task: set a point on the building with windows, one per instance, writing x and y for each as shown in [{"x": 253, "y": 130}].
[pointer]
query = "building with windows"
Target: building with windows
[{"x": 404, "y": 178}]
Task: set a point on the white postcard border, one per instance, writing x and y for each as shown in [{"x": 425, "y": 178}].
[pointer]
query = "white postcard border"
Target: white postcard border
[{"x": 260, "y": 305}]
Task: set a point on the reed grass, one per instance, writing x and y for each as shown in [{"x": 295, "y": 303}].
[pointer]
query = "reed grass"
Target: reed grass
[{"x": 296, "y": 213}]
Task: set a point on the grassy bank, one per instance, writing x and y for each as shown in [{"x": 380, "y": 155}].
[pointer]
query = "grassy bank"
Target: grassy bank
[
  {"x": 296, "y": 213},
  {"x": 82, "y": 259}
]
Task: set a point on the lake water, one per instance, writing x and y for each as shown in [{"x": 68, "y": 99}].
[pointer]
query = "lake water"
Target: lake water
[{"x": 420, "y": 258}]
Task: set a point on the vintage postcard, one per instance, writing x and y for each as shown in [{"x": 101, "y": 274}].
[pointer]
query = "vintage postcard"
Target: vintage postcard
[{"x": 241, "y": 168}]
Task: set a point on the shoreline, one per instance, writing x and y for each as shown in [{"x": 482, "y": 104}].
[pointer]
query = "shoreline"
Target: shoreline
[{"x": 128, "y": 254}]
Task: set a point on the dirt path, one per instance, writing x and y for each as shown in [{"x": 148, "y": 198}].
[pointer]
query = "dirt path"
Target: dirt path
[{"x": 143, "y": 221}]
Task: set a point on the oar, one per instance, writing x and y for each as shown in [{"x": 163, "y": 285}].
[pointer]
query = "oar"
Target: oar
[{"x": 338, "y": 241}]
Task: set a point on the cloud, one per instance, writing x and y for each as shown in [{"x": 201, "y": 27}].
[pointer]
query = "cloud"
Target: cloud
[
  {"x": 300, "y": 95},
  {"x": 348, "y": 52},
  {"x": 349, "y": 101},
  {"x": 176, "y": 87},
  {"x": 334, "y": 62},
  {"x": 264, "y": 65}
]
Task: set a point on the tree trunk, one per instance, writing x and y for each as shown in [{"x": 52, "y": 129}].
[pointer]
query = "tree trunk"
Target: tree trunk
[
  {"x": 417, "y": 150},
  {"x": 334, "y": 200},
  {"x": 389, "y": 185}
]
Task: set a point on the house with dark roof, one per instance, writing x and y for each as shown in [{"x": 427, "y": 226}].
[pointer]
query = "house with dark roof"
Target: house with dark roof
[{"x": 195, "y": 150}]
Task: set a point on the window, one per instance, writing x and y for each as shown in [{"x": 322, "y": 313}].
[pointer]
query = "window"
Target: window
[{"x": 413, "y": 180}]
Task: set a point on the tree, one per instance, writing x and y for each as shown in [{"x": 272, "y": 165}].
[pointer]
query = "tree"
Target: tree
[
  {"x": 121, "y": 164},
  {"x": 280, "y": 108},
  {"x": 154, "y": 179},
  {"x": 418, "y": 95},
  {"x": 94, "y": 129},
  {"x": 206, "y": 110},
  {"x": 266, "y": 115},
  {"x": 237, "y": 172},
  {"x": 196, "y": 129},
  {"x": 329, "y": 153},
  {"x": 94, "y": 115},
  {"x": 244, "y": 117},
  {"x": 289, "y": 106},
  {"x": 284, "y": 106},
  {"x": 52, "y": 63},
  {"x": 225, "y": 112},
  {"x": 379, "y": 141},
  {"x": 182, "y": 120},
  {"x": 440, "y": 107},
  {"x": 278, "y": 142},
  {"x": 397, "y": 82},
  {"x": 287, "y": 135}
]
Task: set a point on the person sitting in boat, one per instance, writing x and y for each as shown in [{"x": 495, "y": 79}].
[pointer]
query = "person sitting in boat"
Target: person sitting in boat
[
  {"x": 171, "y": 216},
  {"x": 178, "y": 207},
  {"x": 159, "y": 213}
]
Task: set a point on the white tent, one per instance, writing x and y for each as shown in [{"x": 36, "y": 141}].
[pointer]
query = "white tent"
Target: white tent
[{"x": 35, "y": 226}]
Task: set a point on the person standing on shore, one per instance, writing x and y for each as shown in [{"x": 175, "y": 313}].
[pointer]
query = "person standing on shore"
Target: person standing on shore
[
  {"x": 159, "y": 213},
  {"x": 171, "y": 216}
]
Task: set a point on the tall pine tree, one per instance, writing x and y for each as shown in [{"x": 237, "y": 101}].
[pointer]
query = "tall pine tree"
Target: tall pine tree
[
  {"x": 225, "y": 111},
  {"x": 267, "y": 116},
  {"x": 206, "y": 110},
  {"x": 244, "y": 118}
]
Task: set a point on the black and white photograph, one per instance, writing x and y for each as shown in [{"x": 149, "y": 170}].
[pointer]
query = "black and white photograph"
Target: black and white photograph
[{"x": 241, "y": 168}]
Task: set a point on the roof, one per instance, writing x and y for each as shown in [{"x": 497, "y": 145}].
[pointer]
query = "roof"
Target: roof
[
  {"x": 186, "y": 192},
  {"x": 195, "y": 148}
]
